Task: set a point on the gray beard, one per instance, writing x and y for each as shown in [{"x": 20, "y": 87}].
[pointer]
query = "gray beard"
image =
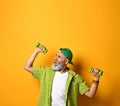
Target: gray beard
[{"x": 59, "y": 67}]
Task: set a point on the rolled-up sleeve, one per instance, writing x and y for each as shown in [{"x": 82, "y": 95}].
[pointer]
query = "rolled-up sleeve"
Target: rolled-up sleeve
[
  {"x": 37, "y": 72},
  {"x": 83, "y": 88}
]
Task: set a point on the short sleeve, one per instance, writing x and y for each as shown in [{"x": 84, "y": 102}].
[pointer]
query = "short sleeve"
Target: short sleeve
[
  {"x": 38, "y": 72},
  {"x": 83, "y": 88}
]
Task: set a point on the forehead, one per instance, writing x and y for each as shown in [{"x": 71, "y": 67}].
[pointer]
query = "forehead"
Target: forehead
[{"x": 60, "y": 54}]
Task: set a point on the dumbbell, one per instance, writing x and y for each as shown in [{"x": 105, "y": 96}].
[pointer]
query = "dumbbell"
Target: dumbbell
[
  {"x": 38, "y": 44},
  {"x": 100, "y": 73}
]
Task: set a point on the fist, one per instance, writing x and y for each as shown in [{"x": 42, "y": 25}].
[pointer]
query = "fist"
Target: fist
[
  {"x": 95, "y": 72},
  {"x": 41, "y": 47}
]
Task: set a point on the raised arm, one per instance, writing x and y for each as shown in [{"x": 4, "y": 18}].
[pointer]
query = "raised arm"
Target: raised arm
[
  {"x": 92, "y": 91},
  {"x": 29, "y": 64}
]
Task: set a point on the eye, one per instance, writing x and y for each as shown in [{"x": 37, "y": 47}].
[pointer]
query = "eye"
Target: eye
[{"x": 59, "y": 56}]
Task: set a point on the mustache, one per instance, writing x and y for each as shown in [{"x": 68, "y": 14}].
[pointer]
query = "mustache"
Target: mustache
[{"x": 59, "y": 66}]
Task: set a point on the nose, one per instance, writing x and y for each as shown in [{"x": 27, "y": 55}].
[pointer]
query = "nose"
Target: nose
[
  {"x": 55, "y": 60},
  {"x": 55, "y": 57}
]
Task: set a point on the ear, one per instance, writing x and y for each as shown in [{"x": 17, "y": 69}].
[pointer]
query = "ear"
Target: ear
[{"x": 66, "y": 61}]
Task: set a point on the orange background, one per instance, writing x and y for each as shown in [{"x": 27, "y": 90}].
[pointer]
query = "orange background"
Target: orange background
[{"x": 90, "y": 28}]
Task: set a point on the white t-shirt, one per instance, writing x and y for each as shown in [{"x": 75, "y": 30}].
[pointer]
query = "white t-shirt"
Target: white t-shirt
[{"x": 58, "y": 89}]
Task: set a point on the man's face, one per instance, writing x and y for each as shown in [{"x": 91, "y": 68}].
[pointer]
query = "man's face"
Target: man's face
[{"x": 59, "y": 62}]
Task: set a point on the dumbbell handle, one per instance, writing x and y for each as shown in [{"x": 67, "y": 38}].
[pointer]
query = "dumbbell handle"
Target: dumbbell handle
[
  {"x": 38, "y": 44},
  {"x": 100, "y": 73}
]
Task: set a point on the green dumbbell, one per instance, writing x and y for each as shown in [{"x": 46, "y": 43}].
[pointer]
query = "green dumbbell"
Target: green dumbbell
[
  {"x": 100, "y": 73},
  {"x": 38, "y": 44}
]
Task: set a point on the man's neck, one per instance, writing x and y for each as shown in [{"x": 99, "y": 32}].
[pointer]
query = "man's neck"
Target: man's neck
[{"x": 64, "y": 70}]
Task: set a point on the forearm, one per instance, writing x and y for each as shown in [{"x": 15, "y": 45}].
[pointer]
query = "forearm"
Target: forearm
[
  {"x": 28, "y": 65},
  {"x": 93, "y": 89},
  {"x": 31, "y": 59}
]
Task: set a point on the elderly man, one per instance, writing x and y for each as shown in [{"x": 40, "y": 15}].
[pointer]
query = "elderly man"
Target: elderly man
[{"x": 59, "y": 84}]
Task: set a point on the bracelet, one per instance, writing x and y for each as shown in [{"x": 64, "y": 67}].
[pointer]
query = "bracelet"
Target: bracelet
[{"x": 94, "y": 81}]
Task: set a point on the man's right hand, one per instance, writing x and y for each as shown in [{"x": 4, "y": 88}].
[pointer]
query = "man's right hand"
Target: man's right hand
[{"x": 41, "y": 48}]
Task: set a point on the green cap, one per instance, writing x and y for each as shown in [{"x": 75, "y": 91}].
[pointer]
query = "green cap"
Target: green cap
[{"x": 68, "y": 54}]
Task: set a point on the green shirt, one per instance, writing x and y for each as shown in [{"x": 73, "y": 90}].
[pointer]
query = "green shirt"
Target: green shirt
[{"x": 74, "y": 85}]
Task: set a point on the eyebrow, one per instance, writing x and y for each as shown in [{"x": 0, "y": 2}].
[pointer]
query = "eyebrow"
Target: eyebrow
[{"x": 58, "y": 54}]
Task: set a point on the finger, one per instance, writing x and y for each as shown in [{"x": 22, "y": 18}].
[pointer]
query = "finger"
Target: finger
[{"x": 96, "y": 70}]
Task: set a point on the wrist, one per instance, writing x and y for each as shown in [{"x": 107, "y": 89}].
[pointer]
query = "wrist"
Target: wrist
[
  {"x": 37, "y": 50},
  {"x": 95, "y": 81},
  {"x": 96, "y": 78}
]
